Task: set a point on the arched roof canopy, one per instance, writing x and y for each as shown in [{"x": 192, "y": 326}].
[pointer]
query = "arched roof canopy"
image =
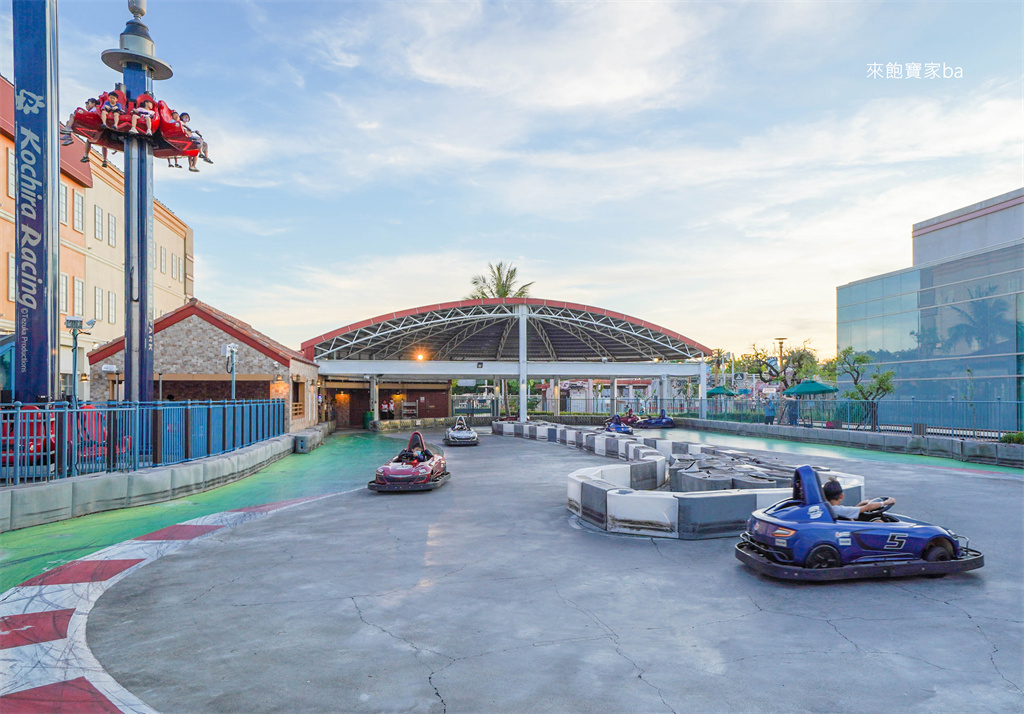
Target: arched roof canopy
[{"x": 488, "y": 330}]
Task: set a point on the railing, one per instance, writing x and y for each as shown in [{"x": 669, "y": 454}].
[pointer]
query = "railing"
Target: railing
[
  {"x": 957, "y": 418},
  {"x": 42, "y": 442}
]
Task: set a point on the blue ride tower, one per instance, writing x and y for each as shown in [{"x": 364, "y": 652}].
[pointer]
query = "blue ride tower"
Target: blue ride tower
[{"x": 139, "y": 66}]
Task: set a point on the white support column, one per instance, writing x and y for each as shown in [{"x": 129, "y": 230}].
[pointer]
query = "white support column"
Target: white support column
[
  {"x": 374, "y": 398},
  {"x": 557, "y": 391},
  {"x": 703, "y": 393},
  {"x": 663, "y": 395},
  {"x": 523, "y": 311},
  {"x": 615, "y": 395}
]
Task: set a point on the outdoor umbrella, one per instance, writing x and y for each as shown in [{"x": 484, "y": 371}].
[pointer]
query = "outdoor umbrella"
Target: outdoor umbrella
[
  {"x": 807, "y": 388},
  {"x": 722, "y": 391}
]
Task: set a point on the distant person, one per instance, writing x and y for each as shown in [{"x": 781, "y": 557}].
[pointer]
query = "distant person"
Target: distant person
[
  {"x": 769, "y": 411},
  {"x": 391, "y": 408},
  {"x": 197, "y": 140},
  {"x": 113, "y": 108},
  {"x": 147, "y": 112},
  {"x": 92, "y": 106},
  {"x": 175, "y": 121}
]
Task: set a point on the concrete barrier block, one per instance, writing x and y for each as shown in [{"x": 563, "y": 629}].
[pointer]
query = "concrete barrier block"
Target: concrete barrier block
[
  {"x": 984, "y": 452},
  {"x": 895, "y": 443},
  {"x": 187, "y": 478},
  {"x": 617, "y": 474},
  {"x": 917, "y": 444},
  {"x": 680, "y": 447},
  {"x": 594, "y": 501},
  {"x": 35, "y": 504},
  {"x": 750, "y": 480},
  {"x": 573, "y": 492},
  {"x": 643, "y": 475},
  {"x": 683, "y": 481},
  {"x": 561, "y": 435},
  {"x": 530, "y": 432},
  {"x": 944, "y": 447},
  {"x": 552, "y": 434},
  {"x": 5, "y": 511},
  {"x": 1010, "y": 454},
  {"x": 650, "y": 513},
  {"x": 215, "y": 471},
  {"x": 518, "y": 429},
  {"x": 601, "y": 445},
  {"x": 92, "y": 494},
  {"x": 149, "y": 486},
  {"x": 714, "y": 514}
]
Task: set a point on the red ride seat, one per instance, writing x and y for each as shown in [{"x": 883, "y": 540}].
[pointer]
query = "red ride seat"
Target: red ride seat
[{"x": 171, "y": 139}]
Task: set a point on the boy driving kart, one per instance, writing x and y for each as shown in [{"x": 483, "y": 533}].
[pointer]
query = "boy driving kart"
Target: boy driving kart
[{"x": 833, "y": 491}]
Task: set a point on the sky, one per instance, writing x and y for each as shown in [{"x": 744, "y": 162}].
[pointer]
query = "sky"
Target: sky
[{"x": 714, "y": 168}]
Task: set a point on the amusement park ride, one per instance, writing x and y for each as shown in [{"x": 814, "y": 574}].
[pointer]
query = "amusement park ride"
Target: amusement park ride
[{"x": 169, "y": 136}]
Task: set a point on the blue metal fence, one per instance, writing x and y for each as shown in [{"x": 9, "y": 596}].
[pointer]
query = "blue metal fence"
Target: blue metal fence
[
  {"x": 41, "y": 442},
  {"x": 959, "y": 418}
]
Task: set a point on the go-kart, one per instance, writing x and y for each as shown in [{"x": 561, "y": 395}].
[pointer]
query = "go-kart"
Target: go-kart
[
  {"x": 461, "y": 434},
  {"x": 616, "y": 425},
  {"x": 799, "y": 538},
  {"x": 414, "y": 469},
  {"x": 659, "y": 422}
]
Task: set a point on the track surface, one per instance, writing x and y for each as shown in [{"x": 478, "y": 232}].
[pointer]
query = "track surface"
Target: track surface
[{"x": 486, "y": 596}]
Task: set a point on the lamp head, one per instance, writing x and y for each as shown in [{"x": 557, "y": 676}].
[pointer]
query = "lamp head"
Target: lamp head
[{"x": 137, "y": 8}]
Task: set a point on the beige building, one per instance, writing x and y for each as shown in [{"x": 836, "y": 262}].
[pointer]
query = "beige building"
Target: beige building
[{"x": 91, "y": 280}]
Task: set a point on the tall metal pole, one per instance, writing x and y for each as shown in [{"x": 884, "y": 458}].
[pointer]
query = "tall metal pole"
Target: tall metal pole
[
  {"x": 139, "y": 67},
  {"x": 36, "y": 369},
  {"x": 523, "y": 311}
]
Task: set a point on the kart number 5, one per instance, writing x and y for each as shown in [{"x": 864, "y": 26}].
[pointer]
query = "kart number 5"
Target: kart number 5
[{"x": 896, "y": 541}]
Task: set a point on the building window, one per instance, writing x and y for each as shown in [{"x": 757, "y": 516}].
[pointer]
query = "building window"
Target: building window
[
  {"x": 12, "y": 178},
  {"x": 111, "y": 229},
  {"x": 97, "y": 225},
  {"x": 163, "y": 259},
  {"x": 98, "y": 306},
  {"x": 79, "y": 209},
  {"x": 62, "y": 299},
  {"x": 174, "y": 267},
  {"x": 111, "y": 307},
  {"x": 12, "y": 277},
  {"x": 64, "y": 203},
  {"x": 79, "y": 297}
]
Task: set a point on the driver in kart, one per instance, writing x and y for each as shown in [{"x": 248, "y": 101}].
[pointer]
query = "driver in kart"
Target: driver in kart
[{"x": 834, "y": 495}]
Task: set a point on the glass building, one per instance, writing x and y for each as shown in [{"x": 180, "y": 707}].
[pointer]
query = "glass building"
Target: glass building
[{"x": 952, "y": 326}]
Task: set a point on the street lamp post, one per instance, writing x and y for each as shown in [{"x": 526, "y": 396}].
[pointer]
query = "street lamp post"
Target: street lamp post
[
  {"x": 780, "y": 340},
  {"x": 77, "y": 326},
  {"x": 228, "y": 351}
]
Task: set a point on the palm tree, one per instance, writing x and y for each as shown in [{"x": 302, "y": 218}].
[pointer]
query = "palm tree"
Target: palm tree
[{"x": 498, "y": 282}]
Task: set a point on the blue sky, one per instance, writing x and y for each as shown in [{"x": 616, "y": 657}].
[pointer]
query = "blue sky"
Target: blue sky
[{"x": 716, "y": 168}]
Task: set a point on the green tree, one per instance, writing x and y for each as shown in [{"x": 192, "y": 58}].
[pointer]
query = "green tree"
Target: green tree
[
  {"x": 798, "y": 364},
  {"x": 865, "y": 388},
  {"x": 500, "y": 281},
  {"x": 984, "y": 321}
]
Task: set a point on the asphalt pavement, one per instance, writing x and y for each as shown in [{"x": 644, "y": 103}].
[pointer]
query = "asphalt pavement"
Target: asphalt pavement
[{"x": 487, "y": 596}]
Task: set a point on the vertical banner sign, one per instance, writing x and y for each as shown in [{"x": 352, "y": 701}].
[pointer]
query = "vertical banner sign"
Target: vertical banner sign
[{"x": 37, "y": 166}]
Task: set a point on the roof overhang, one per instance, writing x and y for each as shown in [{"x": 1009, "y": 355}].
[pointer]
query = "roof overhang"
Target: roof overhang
[{"x": 428, "y": 370}]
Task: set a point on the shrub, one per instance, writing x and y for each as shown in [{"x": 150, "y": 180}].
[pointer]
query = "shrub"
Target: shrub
[{"x": 1014, "y": 437}]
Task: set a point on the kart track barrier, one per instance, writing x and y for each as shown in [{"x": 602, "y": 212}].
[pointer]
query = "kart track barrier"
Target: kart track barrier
[{"x": 621, "y": 497}]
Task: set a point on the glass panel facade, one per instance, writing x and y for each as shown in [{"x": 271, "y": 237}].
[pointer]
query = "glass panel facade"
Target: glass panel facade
[{"x": 951, "y": 330}]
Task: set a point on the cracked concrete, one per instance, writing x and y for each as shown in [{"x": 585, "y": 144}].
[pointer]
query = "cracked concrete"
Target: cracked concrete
[{"x": 484, "y": 597}]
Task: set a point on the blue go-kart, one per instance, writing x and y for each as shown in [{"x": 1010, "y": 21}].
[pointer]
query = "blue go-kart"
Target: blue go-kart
[
  {"x": 615, "y": 425},
  {"x": 659, "y": 422},
  {"x": 800, "y": 539}
]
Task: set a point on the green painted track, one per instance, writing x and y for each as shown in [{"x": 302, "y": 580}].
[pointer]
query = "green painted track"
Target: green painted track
[{"x": 344, "y": 462}]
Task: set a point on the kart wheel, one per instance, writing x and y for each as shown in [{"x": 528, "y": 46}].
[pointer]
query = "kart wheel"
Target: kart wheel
[
  {"x": 823, "y": 556},
  {"x": 938, "y": 553}
]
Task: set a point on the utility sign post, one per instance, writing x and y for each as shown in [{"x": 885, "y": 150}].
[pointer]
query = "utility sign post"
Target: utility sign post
[{"x": 37, "y": 167}]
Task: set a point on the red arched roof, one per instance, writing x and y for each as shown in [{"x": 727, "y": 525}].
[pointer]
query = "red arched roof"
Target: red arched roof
[{"x": 619, "y": 336}]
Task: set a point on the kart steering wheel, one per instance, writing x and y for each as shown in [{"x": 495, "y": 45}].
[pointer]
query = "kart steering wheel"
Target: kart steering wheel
[{"x": 876, "y": 513}]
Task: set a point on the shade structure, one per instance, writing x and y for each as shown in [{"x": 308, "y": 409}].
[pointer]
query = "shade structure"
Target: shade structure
[
  {"x": 721, "y": 391},
  {"x": 809, "y": 387}
]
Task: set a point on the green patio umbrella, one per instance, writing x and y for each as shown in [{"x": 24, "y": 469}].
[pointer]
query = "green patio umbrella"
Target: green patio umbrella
[
  {"x": 721, "y": 391},
  {"x": 807, "y": 388}
]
